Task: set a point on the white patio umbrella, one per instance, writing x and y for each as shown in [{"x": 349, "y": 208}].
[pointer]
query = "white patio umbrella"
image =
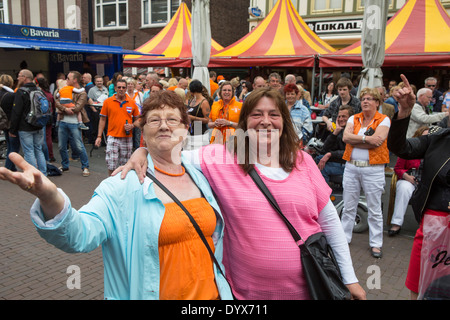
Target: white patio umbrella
[
  {"x": 373, "y": 43},
  {"x": 201, "y": 41}
]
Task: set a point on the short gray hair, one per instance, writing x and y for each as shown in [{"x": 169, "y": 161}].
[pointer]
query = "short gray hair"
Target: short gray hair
[
  {"x": 430, "y": 79},
  {"x": 289, "y": 78},
  {"x": 422, "y": 91}
]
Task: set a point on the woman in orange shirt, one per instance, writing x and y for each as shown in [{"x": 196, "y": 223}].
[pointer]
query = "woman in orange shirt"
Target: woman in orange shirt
[{"x": 224, "y": 116}]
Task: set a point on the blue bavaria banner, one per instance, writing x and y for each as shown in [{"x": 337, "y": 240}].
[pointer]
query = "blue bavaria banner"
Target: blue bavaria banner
[{"x": 38, "y": 33}]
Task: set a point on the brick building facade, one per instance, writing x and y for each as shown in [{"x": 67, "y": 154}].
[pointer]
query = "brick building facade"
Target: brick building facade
[{"x": 229, "y": 19}]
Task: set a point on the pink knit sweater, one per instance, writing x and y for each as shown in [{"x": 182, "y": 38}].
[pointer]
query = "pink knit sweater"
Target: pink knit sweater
[{"x": 261, "y": 258}]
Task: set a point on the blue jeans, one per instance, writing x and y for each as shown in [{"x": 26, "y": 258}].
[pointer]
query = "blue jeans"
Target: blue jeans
[
  {"x": 331, "y": 169},
  {"x": 13, "y": 145},
  {"x": 65, "y": 130},
  {"x": 44, "y": 146},
  {"x": 31, "y": 142}
]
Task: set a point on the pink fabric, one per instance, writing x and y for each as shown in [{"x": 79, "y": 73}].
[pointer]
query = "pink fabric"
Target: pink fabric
[
  {"x": 261, "y": 258},
  {"x": 403, "y": 165}
]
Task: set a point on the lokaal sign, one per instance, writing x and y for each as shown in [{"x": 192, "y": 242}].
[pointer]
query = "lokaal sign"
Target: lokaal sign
[
  {"x": 321, "y": 27},
  {"x": 37, "y": 33}
]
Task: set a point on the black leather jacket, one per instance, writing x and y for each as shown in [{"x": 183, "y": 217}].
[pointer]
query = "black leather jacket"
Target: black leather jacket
[
  {"x": 434, "y": 149},
  {"x": 20, "y": 110},
  {"x": 334, "y": 145}
]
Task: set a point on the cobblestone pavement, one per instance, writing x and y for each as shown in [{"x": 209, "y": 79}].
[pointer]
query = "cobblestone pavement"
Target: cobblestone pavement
[{"x": 31, "y": 269}]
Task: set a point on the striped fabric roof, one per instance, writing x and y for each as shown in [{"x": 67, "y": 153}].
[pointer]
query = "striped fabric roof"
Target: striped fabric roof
[
  {"x": 417, "y": 35},
  {"x": 281, "y": 39},
  {"x": 173, "y": 41}
]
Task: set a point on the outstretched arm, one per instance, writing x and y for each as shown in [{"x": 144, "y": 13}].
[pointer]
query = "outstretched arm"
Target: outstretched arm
[{"x": 33, "y": 181}]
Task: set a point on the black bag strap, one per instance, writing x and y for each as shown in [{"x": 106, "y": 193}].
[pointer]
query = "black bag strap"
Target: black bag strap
[
  {"x": 257, "y": 179},
  {"x": 191, "y": 218}
]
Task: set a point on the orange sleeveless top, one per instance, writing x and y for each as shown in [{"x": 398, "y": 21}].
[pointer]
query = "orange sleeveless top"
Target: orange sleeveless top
[
  {"x": 378, "y": 155},
  {"x": 186, "y": 266},
  {"x": 230, "y": 112}
]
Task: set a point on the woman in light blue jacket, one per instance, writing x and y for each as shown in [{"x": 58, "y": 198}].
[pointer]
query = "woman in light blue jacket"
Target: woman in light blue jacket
[{"x": 132, "y": 221}]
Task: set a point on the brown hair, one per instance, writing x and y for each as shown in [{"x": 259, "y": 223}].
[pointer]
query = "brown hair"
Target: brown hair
[
  {"x": 161, "y": 99},
  {"x": 344, "y": 82},
  {"x": 289, "y": 141},
  {"x": 348, "y": 108},
  {"x": 6, "y": 80},
  {"x": 420, "y": 131},
  {"x": 224, "y": 84},
  {"x": 77, "y": 76}
]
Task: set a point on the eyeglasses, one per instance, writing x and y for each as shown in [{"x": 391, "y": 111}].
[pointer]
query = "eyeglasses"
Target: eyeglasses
[
  {"x": 156, "y": 122},
  {"x": 121, "y": 87},
  {"x": 431, "y": 85},
  {"x": 368, "y": 99}
]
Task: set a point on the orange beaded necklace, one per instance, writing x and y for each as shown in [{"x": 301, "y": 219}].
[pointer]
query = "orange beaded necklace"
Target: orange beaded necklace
[{"x": 171, "y": 174}]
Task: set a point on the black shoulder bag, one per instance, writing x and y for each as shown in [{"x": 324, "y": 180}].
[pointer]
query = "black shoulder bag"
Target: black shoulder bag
[
  {"x": 319, "y": 264},
  {"x": 191, "y": 218}
]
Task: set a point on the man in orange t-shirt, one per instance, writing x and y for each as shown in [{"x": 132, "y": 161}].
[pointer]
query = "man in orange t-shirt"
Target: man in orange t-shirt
[
  {"x": 212, "y": 84},
  {"x": 121, "y": 112}
]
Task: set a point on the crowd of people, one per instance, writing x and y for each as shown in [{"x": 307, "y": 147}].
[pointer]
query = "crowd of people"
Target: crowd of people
[{"x": 183, "y": 135}]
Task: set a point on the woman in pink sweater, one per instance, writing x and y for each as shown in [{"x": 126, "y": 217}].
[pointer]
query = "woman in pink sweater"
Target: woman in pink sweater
[{"x": 261, "y": 259}]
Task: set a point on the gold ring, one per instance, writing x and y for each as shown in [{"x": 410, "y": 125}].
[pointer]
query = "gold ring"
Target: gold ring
[{"x": 29, "y": 187}]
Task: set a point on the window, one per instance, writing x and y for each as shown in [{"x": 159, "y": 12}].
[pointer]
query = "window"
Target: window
[
  {"x": 2, "y": 12},
  {"x": 111, "y": 14},
  {"x": 326, "y": 6},
  {"x": 158, "y": 12},
  {"x": 361, "y": 3}
]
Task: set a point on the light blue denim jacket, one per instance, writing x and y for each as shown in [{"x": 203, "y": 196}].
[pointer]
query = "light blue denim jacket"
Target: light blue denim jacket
[
  {"x": 301, "y": 118},
  {"x": 125, "y": 218}
]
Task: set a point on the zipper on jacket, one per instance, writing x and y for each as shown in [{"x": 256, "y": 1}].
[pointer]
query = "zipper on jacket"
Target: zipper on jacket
[{"x": 429, "y": 189}]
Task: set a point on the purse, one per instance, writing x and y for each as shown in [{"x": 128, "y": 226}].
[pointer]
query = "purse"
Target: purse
[
  {"x": 191, "y": 218},
  {"x": 318, "y": 261}
]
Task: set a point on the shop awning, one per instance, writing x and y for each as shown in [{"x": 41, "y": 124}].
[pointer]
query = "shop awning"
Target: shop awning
[
  {"x": 174, "y": 41},
  {"x": 418, "y": 35},
  {"x": 282, "y": 39},
  {"x": 62, "y": 46},
  {"x": 9, "y": 45}
]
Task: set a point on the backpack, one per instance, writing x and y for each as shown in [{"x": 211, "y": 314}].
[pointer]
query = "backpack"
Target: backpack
[
  {"x": 40, "y": 112},
  {"x": 53, "y": 171},
  {"x": 4, "y": 121}
]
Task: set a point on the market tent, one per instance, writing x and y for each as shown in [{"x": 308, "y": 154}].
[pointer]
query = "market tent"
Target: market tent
[
  {"x": 418, "y": 35},
  {"x": 174, "y": 41},
  {"x": 282, "y": 39}
]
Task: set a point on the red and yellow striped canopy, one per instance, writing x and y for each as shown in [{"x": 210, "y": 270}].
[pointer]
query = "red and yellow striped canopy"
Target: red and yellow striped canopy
[
  {"x": 417, "y": 35},
  {"x": 282, "y": 39},
  {"x": 174, "y": 42}
]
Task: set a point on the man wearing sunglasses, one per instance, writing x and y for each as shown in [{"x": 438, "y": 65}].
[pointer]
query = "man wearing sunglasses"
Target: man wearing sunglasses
[
  {"x": 436, "y": 100},
  {"x": 120, "y": 111}
]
